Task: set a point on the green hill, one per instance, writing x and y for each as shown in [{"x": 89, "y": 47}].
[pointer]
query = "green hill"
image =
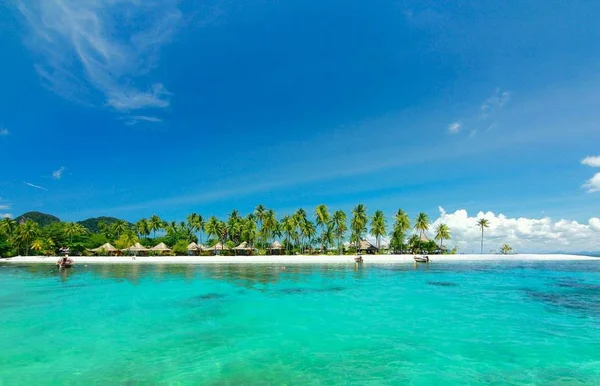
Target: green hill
[
  {"x": 42, "y": 219},
  {"x": 91, "y": 224}
]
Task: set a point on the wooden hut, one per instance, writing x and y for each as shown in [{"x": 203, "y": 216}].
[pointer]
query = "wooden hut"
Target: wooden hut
[
  {"x": 161, "y": 247},
  {"x": 136, "y": 249},
  {"x": 217, "y": 248},
  {"x": 106, "y": 248},
  {"x": 367, "y": 247},
  {"x": 243, "y": 249},
  {"x": 276, "y": 248}
]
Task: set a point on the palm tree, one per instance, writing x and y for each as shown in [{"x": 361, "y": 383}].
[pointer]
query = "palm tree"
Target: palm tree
[
  {"x": 259, "y": 213},
  {"x": 322, "y": 216},
  {"x": 37, "y": 245},
  {"x": 288, "y": 228},
  {"x": 505, "y": 249},
  {"x": 300, "y": 220},
  {"x": 483, "y": 223},
  {"x": 156, "y": 224},
  {"x": 212, "y": 227},
  {"x": 194, "y": 222},
  {"x": 308, "y": 231},
  {"x": 401, "y": 226},
  {"x": 143, "y": 227},
  {"x": 378, "y": 225},
  {"x": 8, "y": 226},
  {"x": 442, "y": 232},
  {"x": 339, "y": 227},
  {"x": 249, "y": 230},
  {"x": 234, "y": 226},
  {"x": 26, "y": 232},
  {"x": 358, "y": 224},
  {"x": 129, "y": 238},
  {"x": 422, "y": 223},
  {"x": 73, "y": 229},
  {"x": 269, "y": 225},
  {"x": 119, "y": 227}
]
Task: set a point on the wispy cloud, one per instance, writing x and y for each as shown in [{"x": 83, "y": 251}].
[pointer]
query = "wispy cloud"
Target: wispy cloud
[
  {"x": 135, "y": 119},
  {"x": 57, "y": 174},
  {"x": 593, "y": 161},
  {"x": 593, "y": 184},
  {"x": 35, "y": 186},
  {"x": 4, "y": 131},
  {"x": 4, "y": 207},
  {"x": 495, "y": 102},
  {"x": 103, "y": 46},
  {"x": 6, "y": 215},
  {"x": 454, "y": 127}
]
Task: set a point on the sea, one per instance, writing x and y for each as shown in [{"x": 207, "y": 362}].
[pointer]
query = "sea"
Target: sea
[{"x": 451, "y": 323}]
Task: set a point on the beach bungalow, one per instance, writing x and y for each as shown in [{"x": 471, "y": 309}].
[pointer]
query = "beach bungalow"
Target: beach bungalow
[
  {"x": 161, "y": 248},
  {"x": 367, "y": 247},
  {"x": 276, "y": 248},
  {"x": 136, "y": 249},
  {"x": 105, "y": 250},
  {"x": 243, "y": 249},
  {"x": 217, "y": 248},
  {"x": 193, "y": 249}
]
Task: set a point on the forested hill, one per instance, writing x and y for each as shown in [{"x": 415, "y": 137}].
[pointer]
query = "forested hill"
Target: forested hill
[
  {"x": 91, "y": 224},
  {"x": 42, "y": 219}
]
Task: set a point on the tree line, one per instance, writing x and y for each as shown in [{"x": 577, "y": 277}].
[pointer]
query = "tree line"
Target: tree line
[{"x": 321, "y": 231}]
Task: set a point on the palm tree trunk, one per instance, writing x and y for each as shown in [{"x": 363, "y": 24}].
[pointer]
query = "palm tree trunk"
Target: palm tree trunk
[{"x": 482, "y": 240}]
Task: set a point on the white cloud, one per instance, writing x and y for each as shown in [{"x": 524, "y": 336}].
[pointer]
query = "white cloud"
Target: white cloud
[
  {"x": 35, "y": 186},
  {"x": 593, "y": 161},
  {"x": 3, "y": 131},
  {"x": 4, "y": 207},
  {"x": 495, "y": 102},
  {"x": 454, "y": 127},
  {"x": 593, "y": 184},
  {"x": 523, "y": 234},
  {"x": 104, "y": 46},
  {"x": 135, "y": 119},
  {"x": 6, "y": 215},
  {"x": 57, "y": 174}
]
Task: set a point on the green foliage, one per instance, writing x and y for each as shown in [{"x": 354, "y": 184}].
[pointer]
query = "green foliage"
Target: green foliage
[
  {"x": 42, "y": 219},
  {"x": 180, "y": 248},
  {"x": 93, "y": 224}
]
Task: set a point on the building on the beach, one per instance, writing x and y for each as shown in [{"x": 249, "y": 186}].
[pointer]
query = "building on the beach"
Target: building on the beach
[
  {"x": 161, "y": 248},
  {"x": 276, "y": 248},
  {"x": 106, "y": 249},
  {"x": 367, "y": 247},
  {"x": 193, "y": 249},
  {"x": 136, "y": 249},
  {"x": 217, "y": 248},
  {"x": 243, "y": 249}
]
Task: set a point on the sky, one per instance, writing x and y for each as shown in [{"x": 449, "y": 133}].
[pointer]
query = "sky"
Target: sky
[{"x": 457, "y": 109}]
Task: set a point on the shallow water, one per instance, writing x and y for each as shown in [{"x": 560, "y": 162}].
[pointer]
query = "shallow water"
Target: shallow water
[{"x": 446, "y": 323}]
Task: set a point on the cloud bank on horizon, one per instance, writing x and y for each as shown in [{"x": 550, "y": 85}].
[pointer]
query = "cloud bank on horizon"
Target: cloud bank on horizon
[{"x": 593, "y": 184}]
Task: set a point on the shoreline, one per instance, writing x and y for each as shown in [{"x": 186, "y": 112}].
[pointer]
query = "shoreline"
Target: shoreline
[{"x": 290, "y": 259}]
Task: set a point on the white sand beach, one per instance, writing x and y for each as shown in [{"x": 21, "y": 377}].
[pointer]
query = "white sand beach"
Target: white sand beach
[{"x": 298, "y": 259}]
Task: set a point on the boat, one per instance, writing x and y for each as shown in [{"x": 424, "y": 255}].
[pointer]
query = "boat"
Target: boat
[
  {"x": 421, "y": 259},
  {"x": 65, "y": 263}
]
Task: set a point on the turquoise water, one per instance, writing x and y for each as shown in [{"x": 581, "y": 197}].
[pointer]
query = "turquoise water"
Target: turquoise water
[{"x": 446, "y": 323}]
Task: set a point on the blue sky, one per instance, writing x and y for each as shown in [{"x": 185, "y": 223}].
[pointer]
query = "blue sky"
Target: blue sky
[{"x": 173, "y": 107}]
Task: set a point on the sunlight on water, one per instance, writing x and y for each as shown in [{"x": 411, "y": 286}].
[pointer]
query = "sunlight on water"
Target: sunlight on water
[{"x": 452, "y": 323}]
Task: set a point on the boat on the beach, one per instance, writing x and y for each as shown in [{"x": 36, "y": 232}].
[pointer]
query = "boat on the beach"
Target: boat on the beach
[
  {"x": 65, "y": 262},
  {"x": 421, "y": 259}
]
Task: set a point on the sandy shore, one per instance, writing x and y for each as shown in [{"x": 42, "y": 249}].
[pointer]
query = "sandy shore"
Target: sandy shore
[{"x": 341, "y": 259}]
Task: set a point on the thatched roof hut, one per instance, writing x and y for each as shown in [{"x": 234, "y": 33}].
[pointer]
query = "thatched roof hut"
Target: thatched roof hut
[
  {"x": 424, "y": 238},
  {"x": 107, "y": 247},
  {"x": 161, "y": 247},
  {"x": 137, "y": 247},
  {"x": 192, "y": 247},
  {"x": 366, "y": 247},
  {"x": 243, "y": 247},
  {"x": 276, "y": 246},
  {"x": 218, "y": 247}
]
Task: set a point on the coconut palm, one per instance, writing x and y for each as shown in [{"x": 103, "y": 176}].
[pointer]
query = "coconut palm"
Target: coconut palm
[
  {"x": 25, "y": 233},
  {"x": 8, "y": 226},
  {"x": 358, "y": 224},
  {"x": 401, "y": 226},
  {"x": 143, "y": 227},
  {"x": 308, "y": 231},
  {"x": 129, "y": 237},
  {"x": 505, "y": 249},
  {"x": 212, "y": 227},
  {"x": 482, "y": 223},
  {"x": 322, "y": 216},
  {"x": 300, "y": 219},
  {"x": 234, "y": 226},
  {"x": 339, "y": 227},
  {"x": 259, "y": 213},
  {"x": 378, "y": 225},
  {"x": 194, "y": 222},
  {"x": 442, "y": 232},
  {"x": 269, "y": 225},
  {"x": 119, "y": 227},
  {"x": 156, "y": 224},
  {"x": 249, "y": 230},
  {"x": 73, "y": 229},
  {"x": 422, "y": 224},
  {"x": 288, "y": 228},
  {"x": 37, "y": 245}
]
